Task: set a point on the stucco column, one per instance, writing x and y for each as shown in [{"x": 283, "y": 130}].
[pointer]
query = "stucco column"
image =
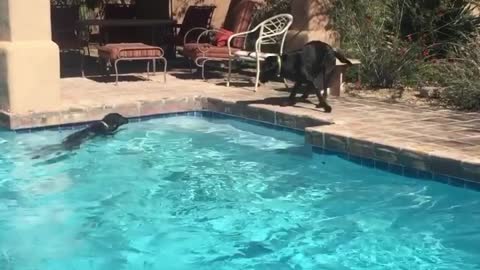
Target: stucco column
[
  {"x": 29, "y": 60},
  {"x": 310, "y": 22}
]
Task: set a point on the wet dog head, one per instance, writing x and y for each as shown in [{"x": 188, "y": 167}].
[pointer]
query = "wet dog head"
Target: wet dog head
[
  {"x": 114, "y": 121},
  {"x": 270, "y": 69}
]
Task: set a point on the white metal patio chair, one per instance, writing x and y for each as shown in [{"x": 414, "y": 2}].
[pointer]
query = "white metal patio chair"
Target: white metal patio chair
[
  {"x": 271, "y": 31},
  {"x": 206, "y": 49}
]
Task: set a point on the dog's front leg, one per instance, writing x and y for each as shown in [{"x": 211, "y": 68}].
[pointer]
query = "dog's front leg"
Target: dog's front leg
[
  {"x": 322, "y": 102},
  {"x": 292, "y": 99},
  {"x": 306, "y": 93}
]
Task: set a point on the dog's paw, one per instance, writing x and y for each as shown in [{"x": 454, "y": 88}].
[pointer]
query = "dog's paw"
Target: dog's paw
[{"x": 327, "y": 108}]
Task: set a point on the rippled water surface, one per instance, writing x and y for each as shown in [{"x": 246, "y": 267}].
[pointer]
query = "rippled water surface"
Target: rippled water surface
[{"x": 194, "y": 193}]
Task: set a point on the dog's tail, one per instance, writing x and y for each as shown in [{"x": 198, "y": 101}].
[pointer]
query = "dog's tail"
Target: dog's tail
[{"x": 342, "y": 57}]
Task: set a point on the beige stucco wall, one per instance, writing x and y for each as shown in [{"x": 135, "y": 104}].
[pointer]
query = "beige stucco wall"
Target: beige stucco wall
[
  {"x": 310, "y": 23},
  {"x": 29, "y": 60},
  {"x": 180, "y": 6}
]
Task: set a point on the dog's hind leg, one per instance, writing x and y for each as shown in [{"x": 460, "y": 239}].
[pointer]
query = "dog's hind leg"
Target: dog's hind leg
[
  {"x": 320, "y": 84},
  {"x": 326, "y": 79},
  {"x": 322, "y": 103}
]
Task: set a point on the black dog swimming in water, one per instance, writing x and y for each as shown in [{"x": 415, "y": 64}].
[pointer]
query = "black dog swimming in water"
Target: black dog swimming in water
[
  {"x": 107, "y": 126},
  {"x": 312, "y": 65}
]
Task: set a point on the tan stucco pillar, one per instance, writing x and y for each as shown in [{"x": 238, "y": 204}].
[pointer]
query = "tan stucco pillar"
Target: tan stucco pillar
[
  {"x": 29, "y": 60},
  {"x": 310, "y": 23}
]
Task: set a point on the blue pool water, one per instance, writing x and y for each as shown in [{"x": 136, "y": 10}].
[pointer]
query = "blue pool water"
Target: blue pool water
[{"x": 196, "y": 193}]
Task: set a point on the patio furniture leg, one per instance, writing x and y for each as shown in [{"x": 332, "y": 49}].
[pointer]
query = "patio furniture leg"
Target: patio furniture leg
[
  {"x": 116, "y": 71},
  {"x": 165, "y": 63},
  {"x": 108, "y": 67},
  {"x": 190, "y": 65},
  {"x": 148, "y": 69},
  {"x": 203, "y": 70},
  {"x": 200, "y": 62},
  {"x": 229, "y": 71},
  {"x": 104, "y": 66},
  {"x": 82, "y": 62},
  {"x": 257, "y": 78},
  {"x": 154, "y": 67}
]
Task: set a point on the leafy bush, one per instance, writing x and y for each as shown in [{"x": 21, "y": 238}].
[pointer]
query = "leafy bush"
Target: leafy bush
[
  {"x": 459, "y": 77},
  {"x": 439, "y": 25},
  {"x": 386, "y": 59},
  {"x": 394, "y": 38}
]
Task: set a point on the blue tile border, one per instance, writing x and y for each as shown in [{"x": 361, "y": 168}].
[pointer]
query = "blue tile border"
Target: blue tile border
[
  {"x": 366, "y": 162},
  {"x": 441, "y": 178},
  {"x": 79, "y": 125},
  {"x": 401, "y": 170},
  {"x": 381, "y": 165},
  {"x": 425, "y": 175},
  {"x": 473, "y": 185},
  {"x": 210, "y": 114},
  {"x": 198, "y": 113},
  {"x": 410, "y": 172}
]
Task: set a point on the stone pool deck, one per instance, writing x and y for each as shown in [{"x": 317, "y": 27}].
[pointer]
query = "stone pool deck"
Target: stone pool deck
[{"x": 440, "y": 141}]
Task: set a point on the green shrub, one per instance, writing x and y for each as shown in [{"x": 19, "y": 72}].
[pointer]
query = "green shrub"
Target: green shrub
[
  {"x": 460, "y": 79},
  {"x": 394, "y": 38},
  {"x": 439, "y": 25},
  {"x": 386, "y": 59}
]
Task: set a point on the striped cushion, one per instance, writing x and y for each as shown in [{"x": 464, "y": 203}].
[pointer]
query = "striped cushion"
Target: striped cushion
[
  {"x": 116, "y": 51},
  {"x": 194, "y": 51},
  {"x": 240, "y": 18}
]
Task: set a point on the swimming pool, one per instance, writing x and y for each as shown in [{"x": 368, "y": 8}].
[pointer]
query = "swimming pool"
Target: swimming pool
[{"x": 206, "y": 193}]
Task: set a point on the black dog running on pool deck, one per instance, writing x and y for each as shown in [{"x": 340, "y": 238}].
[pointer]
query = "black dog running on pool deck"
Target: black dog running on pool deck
[
  {"x": 107, "y": 126},
  {"x": 312, "y": 65}
]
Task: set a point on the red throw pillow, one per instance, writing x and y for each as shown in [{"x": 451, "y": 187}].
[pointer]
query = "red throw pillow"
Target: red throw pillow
[{"x": 222, "y": 37}]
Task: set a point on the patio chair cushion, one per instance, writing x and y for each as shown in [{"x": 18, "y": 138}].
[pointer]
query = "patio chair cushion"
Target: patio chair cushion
[
  {"x": 248, "y": 55},
  {"x": 114, "y": 51},
  {"x": 240, "y": 18},
  {"x": 196, "y": 50},
  {"x": 196, "y": 16},
  {"x": 222, "y": 36}
]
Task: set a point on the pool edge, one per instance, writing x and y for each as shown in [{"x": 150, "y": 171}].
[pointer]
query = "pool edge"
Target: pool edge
[{"x": 459, "y": 172}]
